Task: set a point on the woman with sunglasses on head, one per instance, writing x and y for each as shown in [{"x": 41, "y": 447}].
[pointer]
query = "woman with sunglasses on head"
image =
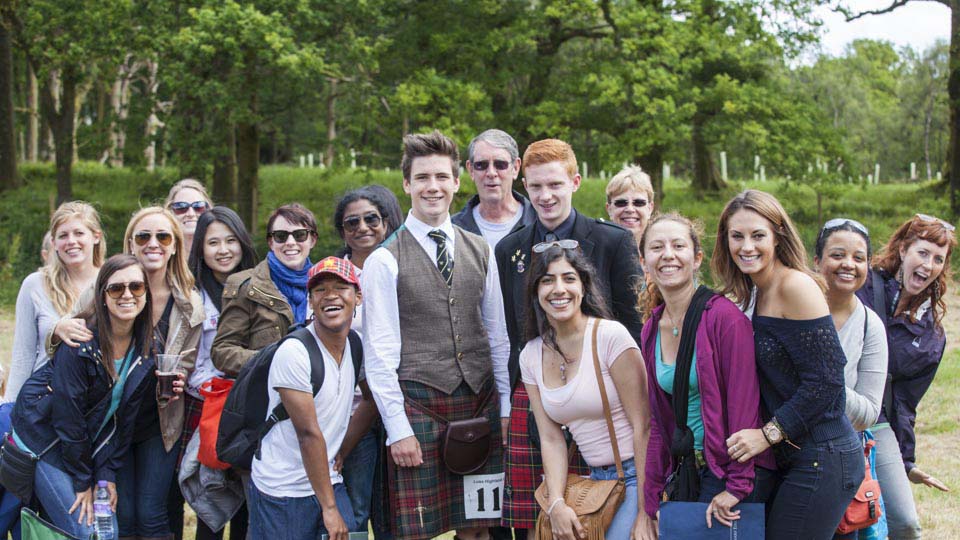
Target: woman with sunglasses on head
[
  {"x": 567, "y": 326},
  {"x": 261, "y": 304},
  {"x": 155, "y": 238},
  {"x": 723, "y": 394},
  {"x": 630, "y": 200},
  {"x": 907, "y": 287},
  {"x": 800, "y": 363},
  {"x": 188, "y": 200},
  {"x": 222, "y": 248},
  {"x": 49, "y": 296},
  {"x": 79, "y": 410}
]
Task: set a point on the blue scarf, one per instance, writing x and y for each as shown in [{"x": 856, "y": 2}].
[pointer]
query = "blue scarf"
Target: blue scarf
[{"x": 292, "y": 283}]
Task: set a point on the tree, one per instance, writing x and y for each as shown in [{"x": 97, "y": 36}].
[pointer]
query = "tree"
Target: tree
[{"x": 8, "y": 147}]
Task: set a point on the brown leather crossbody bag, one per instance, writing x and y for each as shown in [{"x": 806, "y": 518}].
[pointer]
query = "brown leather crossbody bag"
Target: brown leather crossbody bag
[{"x": 466, "y": 444}]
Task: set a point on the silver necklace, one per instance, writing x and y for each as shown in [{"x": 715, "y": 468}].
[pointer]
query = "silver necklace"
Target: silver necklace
[{"x": 675, "y": 330}]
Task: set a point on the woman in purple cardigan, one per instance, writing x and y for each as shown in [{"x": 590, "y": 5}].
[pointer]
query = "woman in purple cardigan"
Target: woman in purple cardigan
[{"x": 723, "y": 396}]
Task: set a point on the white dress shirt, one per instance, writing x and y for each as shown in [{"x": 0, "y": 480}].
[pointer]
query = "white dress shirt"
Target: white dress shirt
[{"x": 381, "y": 327}]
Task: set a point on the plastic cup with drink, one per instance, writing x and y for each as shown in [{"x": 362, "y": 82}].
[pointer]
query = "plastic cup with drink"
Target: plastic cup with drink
[{"x": 168, "y": 369}]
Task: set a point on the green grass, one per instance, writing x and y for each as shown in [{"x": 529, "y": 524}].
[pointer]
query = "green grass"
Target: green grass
[{"x": 117, "y": 193}]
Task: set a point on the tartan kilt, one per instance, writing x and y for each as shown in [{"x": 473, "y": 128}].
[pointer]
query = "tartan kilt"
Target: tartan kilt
[
  {"x": 523, "y": 468},
  {"x": 192, "y": 408},
  {"x": 431, "y": 487}
]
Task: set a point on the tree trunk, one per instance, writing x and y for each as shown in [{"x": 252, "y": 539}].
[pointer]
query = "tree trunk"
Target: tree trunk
[
  {"x": 652, "y": 163},
  {"x": 33, "y": 124},
  {"x": 63, "y": 136},
  {"x": 120, "y": 107},
  {"x": 8, "y": 140},
  {"x": 706, "y": 177},
  {"x": 225, "y": 171},
  {"x": 248, "y": 153},
  {"x": 329, "y": 154},
  {"x": 927, "y": 121},
  {"x": 953, "y": 96},
  {"x": 153, "y": 122}
]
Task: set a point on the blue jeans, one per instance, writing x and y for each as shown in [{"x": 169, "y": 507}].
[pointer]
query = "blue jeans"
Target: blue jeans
[
  {"x": 815, "y": 487},
  {"x": 292, "y": 518},
  {"x": 764, "y": 481},
  {"x": 54, "y": 488},
  {"x": 143, "y": 484},
  {"x": 622, "y": 524},
  {"x": 358, "y": 471}
]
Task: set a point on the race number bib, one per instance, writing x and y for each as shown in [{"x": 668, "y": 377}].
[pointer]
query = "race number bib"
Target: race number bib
[{"x": 482, "y": 495}]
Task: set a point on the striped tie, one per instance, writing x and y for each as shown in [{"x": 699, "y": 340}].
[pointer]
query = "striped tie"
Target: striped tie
[{"x": 444, "y": 261}]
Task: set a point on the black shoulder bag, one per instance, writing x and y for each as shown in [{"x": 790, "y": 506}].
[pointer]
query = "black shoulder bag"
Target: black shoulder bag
[{"x": 684, "y": 482}]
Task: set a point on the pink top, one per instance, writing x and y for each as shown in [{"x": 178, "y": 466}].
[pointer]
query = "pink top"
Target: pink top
[{"x": 577, "y": 404}]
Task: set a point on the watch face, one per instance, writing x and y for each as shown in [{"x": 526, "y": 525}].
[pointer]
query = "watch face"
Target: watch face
[{"x": 773, "y": 434}]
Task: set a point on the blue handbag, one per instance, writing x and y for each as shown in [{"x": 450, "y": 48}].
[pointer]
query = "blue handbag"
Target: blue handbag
[{"x": 686, "y": 520}]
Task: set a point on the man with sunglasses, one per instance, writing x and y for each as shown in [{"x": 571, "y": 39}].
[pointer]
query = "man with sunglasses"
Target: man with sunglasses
[
  {"x": 493, "y": 161},
  {"x": 435, "y": 346},
  {"x": 550, "y": 178}
]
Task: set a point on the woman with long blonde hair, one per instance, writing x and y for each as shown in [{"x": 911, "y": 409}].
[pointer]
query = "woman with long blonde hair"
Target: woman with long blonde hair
[{"x": 49, "y": 295}]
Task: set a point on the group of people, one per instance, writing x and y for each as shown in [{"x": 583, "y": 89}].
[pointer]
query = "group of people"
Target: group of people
[{"x": 490, "y": 338}]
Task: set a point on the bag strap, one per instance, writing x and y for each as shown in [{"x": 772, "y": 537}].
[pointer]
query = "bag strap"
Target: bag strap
[
  {"x": 606, "y": 402},
  {"x": 880, "y": 307},
  {"x": 443, "y": 420},
  {"x": 356, "y": 352},
  {"x": 684, "y": 361}
]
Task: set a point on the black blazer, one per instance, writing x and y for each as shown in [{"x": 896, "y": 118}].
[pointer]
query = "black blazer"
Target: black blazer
[{"x": 613, "y": 252}]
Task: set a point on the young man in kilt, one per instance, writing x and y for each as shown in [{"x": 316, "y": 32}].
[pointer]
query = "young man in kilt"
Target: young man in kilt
[
  {"x": 435, "y": 345},
  {"x": 550, "y": 177}
]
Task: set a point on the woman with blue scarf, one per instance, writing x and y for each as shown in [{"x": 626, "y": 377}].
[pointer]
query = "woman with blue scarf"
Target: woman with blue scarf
[{"x": 260, "y": 304}]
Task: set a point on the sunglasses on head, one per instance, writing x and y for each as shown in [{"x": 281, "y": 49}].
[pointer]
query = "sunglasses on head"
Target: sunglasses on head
[
  {"x": 928, "y": 218},
  {"x": 299, "y": 235},
  {"x": 498, "y": 164},
  {"x": 622, "y": 203},
  {"x": 180, "y": 208},
  {"x": 136, "y": 288},
  {"x": 840, "y": 222},
  {"x": 562, "y": 244},
  {"x": 142, "y": 238},
  {"x": 352, "y": 223}
]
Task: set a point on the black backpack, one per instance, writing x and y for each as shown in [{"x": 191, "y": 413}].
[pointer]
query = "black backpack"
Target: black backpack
[{"x": 244, "y": 422}]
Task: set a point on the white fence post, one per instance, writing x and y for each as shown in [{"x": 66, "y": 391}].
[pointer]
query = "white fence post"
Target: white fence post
[
  {"x": 876, "y": 174},
  {"x": 666, "y": 172},
  {"x": 303, "y": 161},
  {"x": 723, "y": 166}
]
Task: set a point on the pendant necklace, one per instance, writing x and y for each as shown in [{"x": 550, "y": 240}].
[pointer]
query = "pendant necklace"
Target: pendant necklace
[{"x": 675, "y": 330}]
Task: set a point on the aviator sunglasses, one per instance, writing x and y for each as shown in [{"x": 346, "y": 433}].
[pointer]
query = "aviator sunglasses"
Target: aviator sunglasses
[
  {"x": 352, "y": 223},
  {"x": 929, "y": 218},
  {"x": 562, "y": 244},
  {"x": 180, "y": 208},
  {"x": 136, "y": 288},
  {"x": 622, "y": 203},
  {"x": 142, "y": 238},
  {"x": 299, "y": 235},
  {"x": 498, "y": 164}
]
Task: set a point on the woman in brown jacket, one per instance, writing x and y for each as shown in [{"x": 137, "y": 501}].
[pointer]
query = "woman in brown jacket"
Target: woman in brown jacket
[
  {"x": 155, "y": 238},
  {"x": 260, "y": 304}
]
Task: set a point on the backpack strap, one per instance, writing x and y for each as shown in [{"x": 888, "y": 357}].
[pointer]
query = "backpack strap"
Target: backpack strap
[
  {"x": 880, "y": 307},
  {"x": 356, "y": 352},
  {"x": 684, "y": 361},
  {"x": 317, "y": 373}
]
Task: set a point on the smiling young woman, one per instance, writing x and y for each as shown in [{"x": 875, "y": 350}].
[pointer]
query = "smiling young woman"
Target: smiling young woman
[{"x": 906, "y": 288}]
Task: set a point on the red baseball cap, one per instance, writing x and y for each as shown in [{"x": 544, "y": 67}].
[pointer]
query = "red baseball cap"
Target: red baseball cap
[{"x": 336, "y": 266}]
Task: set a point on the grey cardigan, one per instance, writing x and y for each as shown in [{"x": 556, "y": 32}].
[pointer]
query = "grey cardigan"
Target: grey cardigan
[
  {"x": 35, "y": 318},
  {"x": 866, "y": 370}
]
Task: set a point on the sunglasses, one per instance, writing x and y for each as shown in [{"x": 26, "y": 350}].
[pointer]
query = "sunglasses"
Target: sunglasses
[
  {"x": 928, "y": 218},
  {"x": 299, "y": 235},
  {"x": 623, "y": 203},
  {"x": 180, "y": 208},
  {"x": 352, "y": 223},
  {"x": 498, "y": 164},
  {"x": 840, "y": 222},
  {"x": 562, "y": 244},
  {"x": 136, "y": 288},
  {"x": 143, "y": 238}
]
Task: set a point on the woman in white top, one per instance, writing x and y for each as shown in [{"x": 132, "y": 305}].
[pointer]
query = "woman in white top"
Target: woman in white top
[
  {"x": 843, "y": 258},
  {"x": 222, "y": 247},
  {"x": 557, "y": 369},
  {"x": 50, "y": 294}
]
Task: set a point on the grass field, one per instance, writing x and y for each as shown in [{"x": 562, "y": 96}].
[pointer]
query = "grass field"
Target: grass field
[{"x": 938, "y": 432}]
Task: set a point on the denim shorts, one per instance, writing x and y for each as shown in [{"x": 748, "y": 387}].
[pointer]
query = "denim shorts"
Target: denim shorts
[{"x": 622, "y": 524}]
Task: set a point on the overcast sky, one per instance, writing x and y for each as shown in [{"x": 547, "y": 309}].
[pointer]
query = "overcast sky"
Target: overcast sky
[{"x": 917, "y": 24}]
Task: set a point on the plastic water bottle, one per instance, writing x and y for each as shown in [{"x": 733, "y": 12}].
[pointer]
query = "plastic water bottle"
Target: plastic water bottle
[{"x": 102, "y": 513}]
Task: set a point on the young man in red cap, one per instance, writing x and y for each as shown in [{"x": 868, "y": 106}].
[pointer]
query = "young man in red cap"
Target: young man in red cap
[{"x": 295, "y": 471}]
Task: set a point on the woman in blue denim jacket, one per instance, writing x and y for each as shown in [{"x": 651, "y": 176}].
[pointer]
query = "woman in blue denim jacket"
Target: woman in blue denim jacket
[
  {"x": 79, "y": 409},
  {"x": 907, "y": 289}
]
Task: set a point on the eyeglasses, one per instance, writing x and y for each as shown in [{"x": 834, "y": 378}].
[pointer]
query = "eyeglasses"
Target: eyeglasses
[
  {"x": 180, "y": 208},
  {"x": 352, "y": 223},
  {"x": 299, "y": 235},
  {"x": 622, "y": 203},
  {"x": 142, "y": 238},
  {"x": 136, "y": 288},
  {"x": 928, "y": 218},
  {"x": 840, "y": 222},
  {"x": 498, "y": 164},
  {"x": 562, "y": 244}
]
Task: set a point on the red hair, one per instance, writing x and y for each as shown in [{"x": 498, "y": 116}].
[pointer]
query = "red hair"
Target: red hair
[{"x": 548, "y": 151}]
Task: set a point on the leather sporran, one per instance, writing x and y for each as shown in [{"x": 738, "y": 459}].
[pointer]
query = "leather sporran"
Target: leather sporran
[
  {"x": 466, "y": 445},
  {"x": 595, "y": 501}
]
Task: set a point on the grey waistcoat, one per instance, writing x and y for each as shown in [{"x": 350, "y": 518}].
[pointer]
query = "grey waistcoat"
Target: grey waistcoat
[{"x": 443, "y": 340}]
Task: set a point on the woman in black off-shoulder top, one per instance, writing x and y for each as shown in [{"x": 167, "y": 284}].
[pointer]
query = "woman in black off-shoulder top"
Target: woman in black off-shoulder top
[{"x": 800, "y": 364}]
